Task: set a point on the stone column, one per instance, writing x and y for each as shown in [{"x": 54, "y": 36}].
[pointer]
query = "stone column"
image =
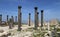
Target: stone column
[
  {"x": 29, "y": 19},
  {"x": 7, "y": 19},
  {"x": 12, "y": 21},
  {"x": 16, "y": 19},
  {"x": 19, "y": 18},
  {"x": 35, "y": 17},
  {"x": 0, "y": 19},
  {"x": 41, "y": 18}
]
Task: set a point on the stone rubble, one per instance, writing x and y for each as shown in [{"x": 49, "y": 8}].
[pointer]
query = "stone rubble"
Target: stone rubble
[{"x": 15, "y": 33}]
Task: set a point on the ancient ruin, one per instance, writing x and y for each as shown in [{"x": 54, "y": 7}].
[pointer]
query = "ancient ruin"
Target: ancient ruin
[
  {"x": 29, "y": 19},
  {"x": 7, "y": 19},
  {"x": 19, "y": 18},
  {"x": 36, "y": 25},
  {"x": 0, "y": 19},
  {"x": 12, "y": 21},
  {"x": 41, "y": 18}
]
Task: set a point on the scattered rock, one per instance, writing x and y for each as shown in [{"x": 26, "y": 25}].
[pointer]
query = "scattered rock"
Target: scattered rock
[
  {"x": 4, "y": 36},
  {"x": 1, "y": 31},
  {"x": 26, "y": 36},
  {"x": 8, "y": 34}
]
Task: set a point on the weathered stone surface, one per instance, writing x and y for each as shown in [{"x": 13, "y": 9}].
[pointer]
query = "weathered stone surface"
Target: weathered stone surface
[
  {"x": 19, "y": 18},
  {"x": 36, "y": 17},
  {"x": 0, "y": 19},
  {"x": 12, "y": 21},
  {"x": 29, "y": 19},
  {"x": 4, "y": 36},
  {"x": 15, "y": 18},
  {"x": 7, "y": 19},
  {"x": 8, "y": 34},
  {"x": 10, "y": 24},
  {"x": 41, "y": 18},
  {"x": 1, "y": 31}
]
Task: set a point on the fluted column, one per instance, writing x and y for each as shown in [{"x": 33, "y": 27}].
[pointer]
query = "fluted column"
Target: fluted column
[
  {"x": 12, "y": 21},
  {"x": 19, "y": 18},
  {"x": 35, "y": 17},
  {"x": 16, "y": 19},
  {"x": 0, "y": 19},
  {"x": 29, "y": 19},
  {"x": 41, "y": 18},
  {"x": 7, "y": 19}
]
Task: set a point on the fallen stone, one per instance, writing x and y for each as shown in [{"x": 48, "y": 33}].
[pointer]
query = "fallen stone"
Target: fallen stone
[
  {"x": 1, "y": 31},
  {"x": 8, "y": 34},
  {"x": 26, "y": 36}
]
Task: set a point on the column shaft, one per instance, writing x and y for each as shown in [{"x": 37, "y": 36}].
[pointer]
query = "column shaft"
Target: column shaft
[
  {"x": 29, "y": 19},
  {"x": 35, "y": 17},
  {"x": 12, "y": 21},
  {"x": 0, "y": 19},
  {"x": 19, "y": 18},
  {"x": 41, "y": 18}
]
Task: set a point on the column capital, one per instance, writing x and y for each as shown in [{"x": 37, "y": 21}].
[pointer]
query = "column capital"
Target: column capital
[
  {"x": 42, "y": 10},
  {"x": 19, "y": 7},
  {"x": 29, "y": 13},
  {"x": 0, "y": 14},
  {"x": 37, "y": 12},
  {"x": 35, "y": 8}
]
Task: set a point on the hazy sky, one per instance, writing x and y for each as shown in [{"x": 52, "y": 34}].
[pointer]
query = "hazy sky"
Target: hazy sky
[{"x": 10, "y": 7}]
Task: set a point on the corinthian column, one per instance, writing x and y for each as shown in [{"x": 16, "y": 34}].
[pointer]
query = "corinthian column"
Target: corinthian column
[
  {"x": 0, "y": 19},
  {"x": 12, "y": 21},
  {"x": 41, "y": 18},
  {"x": 19, "y": 18},
  {"x": 36, "y": 18},
  {"x": 29, "y": 19}
]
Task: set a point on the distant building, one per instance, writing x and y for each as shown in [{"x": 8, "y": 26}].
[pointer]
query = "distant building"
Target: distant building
[{"x": 53, "y": 22}]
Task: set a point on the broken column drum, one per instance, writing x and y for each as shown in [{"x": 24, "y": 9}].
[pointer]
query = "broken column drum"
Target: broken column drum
[
  {"x": 41, "y": 18},
  {"x": 19, "y": 18},
  {"x": 36, "y": 18}
]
